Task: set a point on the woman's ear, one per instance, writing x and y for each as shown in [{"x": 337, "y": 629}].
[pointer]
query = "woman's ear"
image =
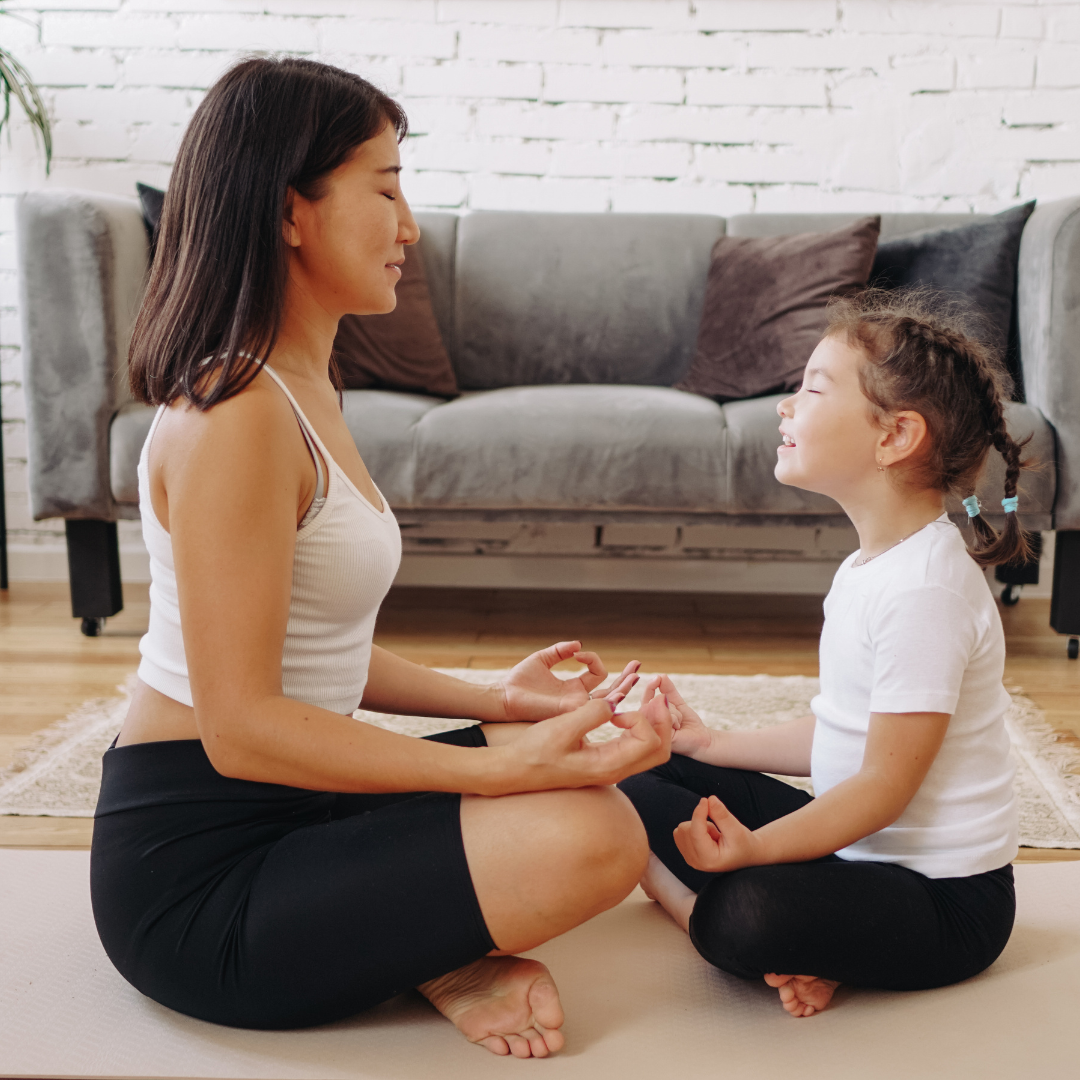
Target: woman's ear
[
  {"x": 905, "y": 437},
  {"x": 289, "y": 231}
]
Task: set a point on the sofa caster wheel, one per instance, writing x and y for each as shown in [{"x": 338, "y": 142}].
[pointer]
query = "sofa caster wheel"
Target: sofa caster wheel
[
  {"x": 1010, "y": 595},
  {"x": 92, "y": 627},
  {"x": 1073, "y": 648}
]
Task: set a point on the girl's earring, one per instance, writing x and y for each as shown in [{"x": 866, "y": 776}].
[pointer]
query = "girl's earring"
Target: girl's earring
[{"x": 880, "y": 467}]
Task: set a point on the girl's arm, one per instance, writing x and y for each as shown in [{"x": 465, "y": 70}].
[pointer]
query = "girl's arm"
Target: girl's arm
[
  {"x": 226, "y": 484},
  {"x": 900, "y": 748},
  {"x": 780, "y": 748}
]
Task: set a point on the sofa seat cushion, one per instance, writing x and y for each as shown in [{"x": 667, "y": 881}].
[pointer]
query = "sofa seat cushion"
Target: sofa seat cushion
[{"x": 573, "y": 447}]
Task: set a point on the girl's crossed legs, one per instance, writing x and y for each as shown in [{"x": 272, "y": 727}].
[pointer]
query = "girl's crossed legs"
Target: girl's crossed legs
[{"x": 833, "y": 920}]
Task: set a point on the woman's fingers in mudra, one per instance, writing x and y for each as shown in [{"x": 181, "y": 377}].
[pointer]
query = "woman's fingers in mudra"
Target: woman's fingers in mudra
[{"x": 621, "y": 685}]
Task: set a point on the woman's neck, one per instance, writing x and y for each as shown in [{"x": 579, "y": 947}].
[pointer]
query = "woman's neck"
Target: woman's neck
[
  {"x": 887, "y": 514},
  {"x": 306, "y": 337}
]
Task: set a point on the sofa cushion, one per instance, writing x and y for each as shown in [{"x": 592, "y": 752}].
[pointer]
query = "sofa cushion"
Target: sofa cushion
[
  {"x": 764, "y": 309},
  {"x": 578, "y": 298},
  {"x": 976, "y": 261},
  {"x": 385, "y": 426},
  {"x": 573, "y": 448},
  {"x": 127, "y": 433}
]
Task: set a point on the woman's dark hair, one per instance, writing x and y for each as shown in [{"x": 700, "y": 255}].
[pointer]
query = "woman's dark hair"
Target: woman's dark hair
[
  {"x": 924, "y": 354},
  {"x": 217, "y": 284}
]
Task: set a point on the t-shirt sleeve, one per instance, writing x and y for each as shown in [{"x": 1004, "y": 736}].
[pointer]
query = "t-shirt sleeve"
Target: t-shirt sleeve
[{"x": 923, "y": 639}]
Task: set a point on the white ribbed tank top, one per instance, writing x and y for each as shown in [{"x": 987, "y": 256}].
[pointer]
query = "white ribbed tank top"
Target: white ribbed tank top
[{"x": 345, "y": 560}]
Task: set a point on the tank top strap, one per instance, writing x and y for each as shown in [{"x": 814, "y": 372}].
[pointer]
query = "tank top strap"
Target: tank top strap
[{"x": 302, "y": 420}]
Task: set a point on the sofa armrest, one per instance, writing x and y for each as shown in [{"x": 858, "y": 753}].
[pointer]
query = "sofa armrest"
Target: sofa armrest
[
  {"x": 1048, "y": 289},
  {"x": 82, "y": 266}
]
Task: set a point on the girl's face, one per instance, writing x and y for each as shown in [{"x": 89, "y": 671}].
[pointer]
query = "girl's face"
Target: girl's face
[
  {"x": 832, "y": 443},
  {"x": 348, "y": 245}
]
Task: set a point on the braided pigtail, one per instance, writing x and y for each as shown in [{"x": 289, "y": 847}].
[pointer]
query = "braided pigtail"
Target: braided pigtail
[{"x": 927, "y": 354}]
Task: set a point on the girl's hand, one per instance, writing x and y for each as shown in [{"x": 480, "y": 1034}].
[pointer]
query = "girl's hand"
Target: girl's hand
[
  {"x": 690, "y": 736},
  {"x": 556, "y": 754},
  {"x": 717, "y": 845},
  {"x": 532, "y": 691}
]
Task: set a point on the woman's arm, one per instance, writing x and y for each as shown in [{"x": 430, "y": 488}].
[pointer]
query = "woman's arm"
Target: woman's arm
[
  {"x": 900, "y": 748},
  {"x": 530, "y": 691},
  {"x": 226, "y": 483}
]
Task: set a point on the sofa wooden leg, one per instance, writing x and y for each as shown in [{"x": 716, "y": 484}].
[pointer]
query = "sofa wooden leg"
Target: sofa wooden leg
[
  {"x": 93, "y": 551},
  {"x": 1065, "y": 603}
]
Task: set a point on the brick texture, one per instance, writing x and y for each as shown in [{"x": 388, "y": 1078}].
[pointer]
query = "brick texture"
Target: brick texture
[{"x": 701, "y": 106}]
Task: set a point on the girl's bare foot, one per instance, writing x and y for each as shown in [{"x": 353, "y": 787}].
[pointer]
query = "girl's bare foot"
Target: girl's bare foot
[
  {"x": 803, "y": 995},
  {"x": 504, "y": 1003}
]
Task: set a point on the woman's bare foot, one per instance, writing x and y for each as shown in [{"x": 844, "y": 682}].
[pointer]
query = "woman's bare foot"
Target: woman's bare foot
[
  {"x": 660, "y": 884},
  {"x": 803, "y": 995},
  {"x": 504, "y": 1003}
]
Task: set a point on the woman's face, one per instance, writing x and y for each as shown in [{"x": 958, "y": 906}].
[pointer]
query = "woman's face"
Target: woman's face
[{"x": 348, "y": 246}]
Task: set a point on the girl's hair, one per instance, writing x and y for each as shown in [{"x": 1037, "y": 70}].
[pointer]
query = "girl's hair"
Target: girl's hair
[
  {"x": 217, "y": 284},
  {"x": 924, "y": 354}
]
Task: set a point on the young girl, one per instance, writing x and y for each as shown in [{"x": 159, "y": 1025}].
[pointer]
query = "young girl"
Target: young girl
[{"x": 897, "y": 875}]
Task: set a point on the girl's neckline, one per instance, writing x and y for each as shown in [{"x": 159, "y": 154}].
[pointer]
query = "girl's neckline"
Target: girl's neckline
[
  {"x": 332, "y": 465},
  {"x": 857, "y": 565}
]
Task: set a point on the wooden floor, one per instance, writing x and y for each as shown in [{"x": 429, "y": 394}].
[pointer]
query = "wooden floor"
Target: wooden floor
[{"x": 47, "y": 667}]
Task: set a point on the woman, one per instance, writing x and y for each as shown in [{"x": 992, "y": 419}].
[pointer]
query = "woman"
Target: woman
[{"x": 260, "y": 858}]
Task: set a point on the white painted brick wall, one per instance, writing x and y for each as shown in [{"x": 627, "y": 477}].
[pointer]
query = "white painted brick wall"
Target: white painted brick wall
[{"x": 707, "y": 106}]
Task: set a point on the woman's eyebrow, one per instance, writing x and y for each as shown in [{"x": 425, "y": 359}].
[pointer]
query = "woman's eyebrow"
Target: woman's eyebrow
[{"x": 391, "y": 168}]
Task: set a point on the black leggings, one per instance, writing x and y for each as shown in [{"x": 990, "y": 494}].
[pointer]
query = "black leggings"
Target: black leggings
[
  {"x": 864, "y": 923},
  {"x": 264, "y": 906}
]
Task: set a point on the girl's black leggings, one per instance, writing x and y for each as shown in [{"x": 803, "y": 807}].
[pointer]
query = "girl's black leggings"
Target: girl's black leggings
[{"x": 864, "y": 923}]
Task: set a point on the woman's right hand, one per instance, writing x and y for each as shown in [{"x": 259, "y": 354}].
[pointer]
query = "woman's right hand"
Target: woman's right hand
[{"x": 555, "y": 753}]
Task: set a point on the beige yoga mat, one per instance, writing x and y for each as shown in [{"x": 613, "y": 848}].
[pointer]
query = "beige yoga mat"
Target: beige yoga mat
[{"x": 639, "y": 1002}]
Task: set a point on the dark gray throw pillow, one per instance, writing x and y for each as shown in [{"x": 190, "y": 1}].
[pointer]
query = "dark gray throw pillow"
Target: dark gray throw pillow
[
  {"x": 764, "y": 309},
  {"x": 976, "y": 261}
]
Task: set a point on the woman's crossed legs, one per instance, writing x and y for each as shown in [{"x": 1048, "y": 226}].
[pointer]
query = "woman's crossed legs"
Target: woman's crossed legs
[{"x": 865, "y": 923}]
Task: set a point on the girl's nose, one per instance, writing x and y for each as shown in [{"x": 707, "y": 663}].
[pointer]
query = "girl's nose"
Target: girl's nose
[{"x": 783, "y": 406}]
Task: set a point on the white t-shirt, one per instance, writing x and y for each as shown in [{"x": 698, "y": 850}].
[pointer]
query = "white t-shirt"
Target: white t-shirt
[{"x": 916, "y": 630}]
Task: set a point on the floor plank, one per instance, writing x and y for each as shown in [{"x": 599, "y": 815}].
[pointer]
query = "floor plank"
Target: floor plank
[{"x": 47, "y": 667}]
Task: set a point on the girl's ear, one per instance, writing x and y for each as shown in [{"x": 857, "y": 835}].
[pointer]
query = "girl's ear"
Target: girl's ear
[{"x": 906, "y": 435}]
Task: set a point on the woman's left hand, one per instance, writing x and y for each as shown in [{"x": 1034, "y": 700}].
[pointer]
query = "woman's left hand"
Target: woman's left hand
[
  {"x": 532, "y": 691},
  {"x": 714, "y": 840}
]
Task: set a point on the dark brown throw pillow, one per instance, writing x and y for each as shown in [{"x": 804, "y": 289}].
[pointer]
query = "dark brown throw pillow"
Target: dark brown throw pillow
[
  {"x": 401, "y": 350},
  {"x": 764, "y": 309}
]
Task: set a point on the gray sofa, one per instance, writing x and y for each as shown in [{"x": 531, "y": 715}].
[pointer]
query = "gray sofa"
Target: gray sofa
[{"x": 567, "y": 332}]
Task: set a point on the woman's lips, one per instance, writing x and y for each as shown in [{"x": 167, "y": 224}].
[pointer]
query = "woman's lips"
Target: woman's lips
[{"x": 395, "y": 267}]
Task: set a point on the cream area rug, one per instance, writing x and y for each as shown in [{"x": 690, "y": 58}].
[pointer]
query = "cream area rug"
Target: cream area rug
[
  {"x": 640, "y": 1005},
  {"x": 58, "y": 775}
]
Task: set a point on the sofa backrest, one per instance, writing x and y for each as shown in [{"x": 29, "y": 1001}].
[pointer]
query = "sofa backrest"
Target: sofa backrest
[
  {"x": 593, "y": 298},
  {"x": 525, "y": 298}
]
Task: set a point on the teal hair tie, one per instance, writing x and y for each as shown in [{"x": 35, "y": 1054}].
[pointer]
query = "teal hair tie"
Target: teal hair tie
[
  {"x": 1009, "y": 505},
  {"x": 971, "y": 505}
]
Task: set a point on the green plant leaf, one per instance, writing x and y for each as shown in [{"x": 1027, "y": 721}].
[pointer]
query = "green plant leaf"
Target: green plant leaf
[{"x": 15, "y": 80}]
